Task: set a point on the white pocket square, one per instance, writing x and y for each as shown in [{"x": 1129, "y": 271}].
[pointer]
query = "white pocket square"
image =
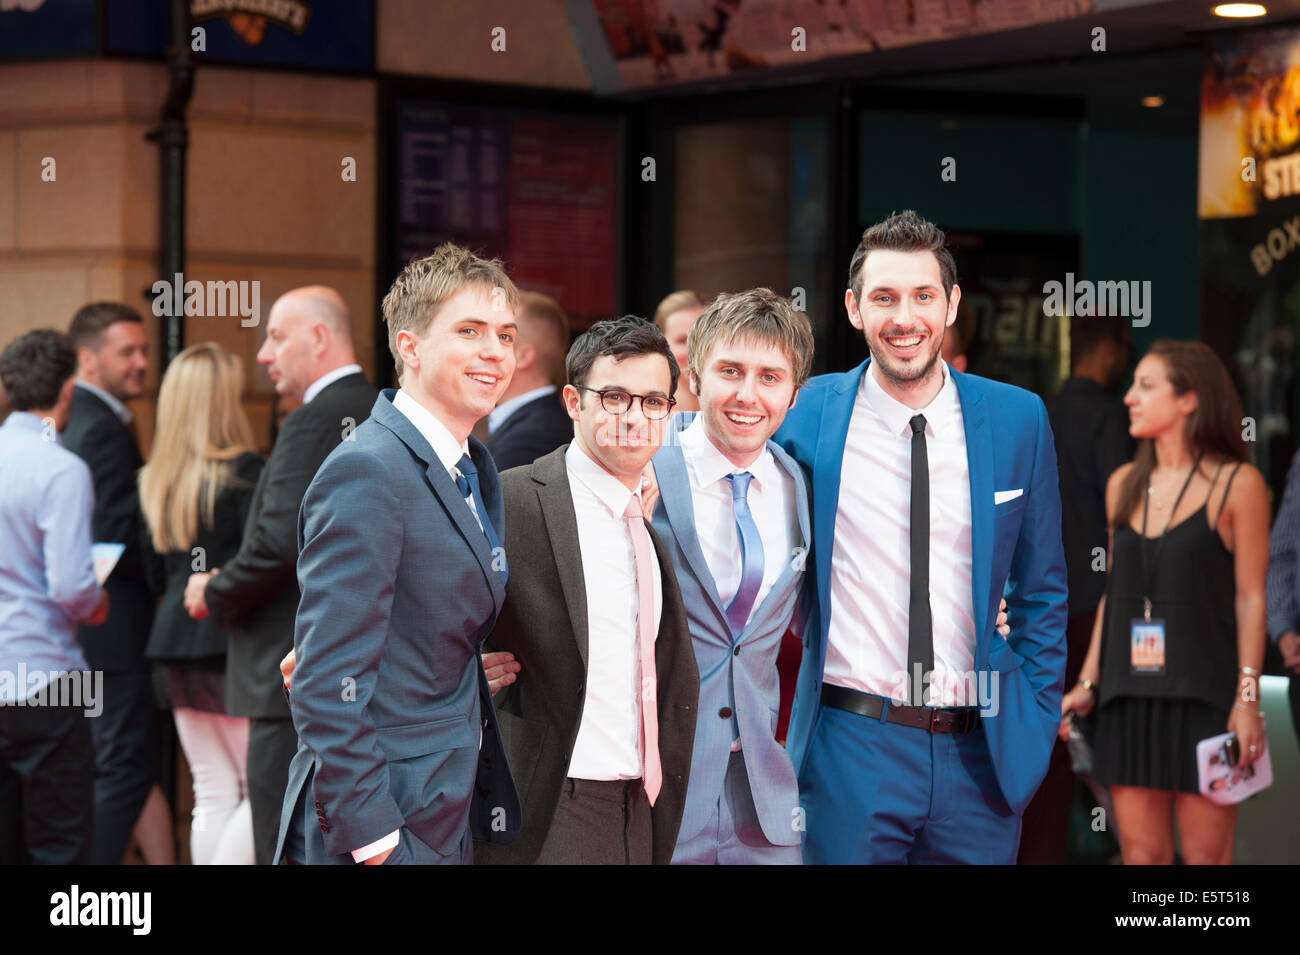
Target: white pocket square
[{"x": 1001, "y": 497}]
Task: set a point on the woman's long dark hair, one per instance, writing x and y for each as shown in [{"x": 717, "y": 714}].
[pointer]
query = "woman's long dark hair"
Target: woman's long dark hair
[{"x": 1213, "y": 429}]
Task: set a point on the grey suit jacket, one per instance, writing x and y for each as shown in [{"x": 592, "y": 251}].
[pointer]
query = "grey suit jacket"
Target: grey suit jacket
[
  {"x": 738, "y": 674},
  {"x": 398, "y": 592},
  {"x": 544, "y": 624}
]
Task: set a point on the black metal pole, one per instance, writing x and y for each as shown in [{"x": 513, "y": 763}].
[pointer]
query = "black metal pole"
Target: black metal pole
[{"x": 172, "y": 135}]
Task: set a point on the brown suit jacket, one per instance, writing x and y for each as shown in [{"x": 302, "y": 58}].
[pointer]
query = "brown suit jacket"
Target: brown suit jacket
[{"x": 544, "y": 624}]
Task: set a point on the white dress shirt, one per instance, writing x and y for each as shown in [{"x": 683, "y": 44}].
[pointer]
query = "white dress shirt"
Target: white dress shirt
[
  {"x": 608, "y": 744},
  {"x": 498, "y": 415},
  {"x": 439, "y": 437},
  {"x": 771, "y": 502},
  {"x": 871, "y": 563},
  {"x": 448, "y": 453},
  {"x": 317, "y": 386}
]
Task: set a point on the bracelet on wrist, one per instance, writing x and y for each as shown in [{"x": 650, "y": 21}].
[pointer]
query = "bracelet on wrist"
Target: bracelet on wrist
[
  {"x": 1089, "y": 685},
  {"x": 1249, "y": 671}
]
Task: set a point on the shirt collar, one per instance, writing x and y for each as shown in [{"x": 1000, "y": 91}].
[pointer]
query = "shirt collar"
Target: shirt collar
[
  {"x": 608, "y": 489},
  {"x": 432, "y": 430},
  {"x": 711, "y": 465},
  {"x": 497, "y": 416},
  {"x": 319, "y": 385},
  {"x": 122, "y": 411},
  {"x": 26, "y": 421},
  {"x": 939, "y": 413}
]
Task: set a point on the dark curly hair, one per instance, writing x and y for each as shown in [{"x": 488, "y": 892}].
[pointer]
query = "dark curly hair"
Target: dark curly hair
[
  {"x": 619, "y": 337},
  {"x": 35, "y": 367}
]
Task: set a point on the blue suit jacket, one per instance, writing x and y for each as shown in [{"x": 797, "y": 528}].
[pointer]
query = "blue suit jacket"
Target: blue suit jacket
[
  {"x": 389, "y": 697},
  {"x": 738, "y": 673},
  {"x": 1016, "y": 550}
]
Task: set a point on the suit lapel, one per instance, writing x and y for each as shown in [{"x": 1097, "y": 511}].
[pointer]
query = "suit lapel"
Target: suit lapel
[
  {"x": 792, "y": 566},
  {"x": 556, "y": 501},
  {"x": 676, "y": 499},
  {"x": 443, "y": 488},
  {"x": 979, "y": 460},
  {"x": 836, "y": 414}
]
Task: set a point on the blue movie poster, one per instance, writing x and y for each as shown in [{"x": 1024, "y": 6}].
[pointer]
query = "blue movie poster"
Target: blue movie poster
[{"x": 332, "y": 35}]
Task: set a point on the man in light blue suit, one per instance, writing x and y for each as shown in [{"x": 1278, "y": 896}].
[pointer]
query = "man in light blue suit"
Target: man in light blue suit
[
  {"x": 403, "y": 575},
  {"x": 918, "y": 732},
  {"x": 733, "y": 513}
]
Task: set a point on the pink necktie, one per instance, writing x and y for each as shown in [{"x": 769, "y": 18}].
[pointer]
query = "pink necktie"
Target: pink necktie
[{"x": 645, "y": 629}]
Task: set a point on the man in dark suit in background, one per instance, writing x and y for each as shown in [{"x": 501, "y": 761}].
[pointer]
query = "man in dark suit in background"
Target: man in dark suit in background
[
  {"x": 531, "y": 420},
  {"x": 310, "y": 358},
  {"x": 599, "y": 716},
  {"x": 1090, "y": 427},
  {"x": 112, "y": 362},
  {"x": 402, "y": 577}
]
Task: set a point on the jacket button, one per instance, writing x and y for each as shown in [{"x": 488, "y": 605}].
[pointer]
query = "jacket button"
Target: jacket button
[
  {"x": 737, "y": 652},
  {"x": 319, "y": 806},
  {"x": 725, "y": 712},
  {"x": 324, "y": 828},
  {"x": 580, "y": 686}
]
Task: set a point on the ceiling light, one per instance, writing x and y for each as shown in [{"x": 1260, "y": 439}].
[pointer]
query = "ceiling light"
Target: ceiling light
[
  {"x": 1153, "y": 102},
  {"x": 1239, "y": 10}
]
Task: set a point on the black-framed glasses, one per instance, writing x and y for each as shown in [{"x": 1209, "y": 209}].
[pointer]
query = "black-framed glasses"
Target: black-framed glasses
[{"x": 616, "y": 401}]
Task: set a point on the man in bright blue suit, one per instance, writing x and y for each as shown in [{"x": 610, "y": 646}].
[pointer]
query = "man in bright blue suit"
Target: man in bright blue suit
[
  {"x": 918, "y": 732},
  {"x": 733, "y": 512}
]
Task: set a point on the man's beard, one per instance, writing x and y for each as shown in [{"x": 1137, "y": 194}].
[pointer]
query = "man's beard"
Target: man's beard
[{"x": 900, "y": 375}]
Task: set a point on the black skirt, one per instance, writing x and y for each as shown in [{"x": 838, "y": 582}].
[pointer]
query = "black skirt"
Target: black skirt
[{"x": 1151, "y": 741}]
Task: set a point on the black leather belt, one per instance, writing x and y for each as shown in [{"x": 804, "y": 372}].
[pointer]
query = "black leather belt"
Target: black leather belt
[{"x": 935, "y": 719}]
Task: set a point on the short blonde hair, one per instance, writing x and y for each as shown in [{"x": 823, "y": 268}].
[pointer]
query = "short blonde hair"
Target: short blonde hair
[
  {"x": 756, "y": 315},
  {"x": 675, "y": 302},
  {"x": 421, "y": 288}
]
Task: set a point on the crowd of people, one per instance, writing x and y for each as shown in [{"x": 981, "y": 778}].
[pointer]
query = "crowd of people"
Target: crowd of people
[{"x": 530, "y": 606}]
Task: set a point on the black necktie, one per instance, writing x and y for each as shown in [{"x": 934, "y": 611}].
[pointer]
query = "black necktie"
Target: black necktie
[{"x": 920, "y": 630}]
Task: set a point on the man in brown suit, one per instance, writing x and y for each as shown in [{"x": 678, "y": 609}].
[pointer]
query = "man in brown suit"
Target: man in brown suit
[{"x": 600, "y": 750}]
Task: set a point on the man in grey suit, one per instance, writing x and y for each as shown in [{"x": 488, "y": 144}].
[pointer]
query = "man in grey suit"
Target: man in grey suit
[
  {"x": 733, "y": 513},
  {"x": 403, "y": 575}
]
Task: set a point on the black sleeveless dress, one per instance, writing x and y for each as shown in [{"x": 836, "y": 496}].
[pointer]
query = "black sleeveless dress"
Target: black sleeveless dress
[{"x": 1148, "y": 724}]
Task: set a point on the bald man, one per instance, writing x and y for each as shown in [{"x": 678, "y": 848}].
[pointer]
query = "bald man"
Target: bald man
[
  {"x": 309, "y": 357},
  {"x": 530, "y": 420}
]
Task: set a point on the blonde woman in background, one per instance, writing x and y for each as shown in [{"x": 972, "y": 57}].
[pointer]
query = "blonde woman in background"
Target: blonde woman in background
[{"x": 195, "y": 494}]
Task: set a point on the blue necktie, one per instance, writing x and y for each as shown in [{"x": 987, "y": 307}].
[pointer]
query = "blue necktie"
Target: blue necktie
[
  {"x": 468, "y": 484},
  {"x": 751, "y": 554}
]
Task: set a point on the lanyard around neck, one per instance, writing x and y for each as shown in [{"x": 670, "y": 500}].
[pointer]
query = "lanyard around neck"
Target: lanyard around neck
[{"x": 1149, "y": 572}]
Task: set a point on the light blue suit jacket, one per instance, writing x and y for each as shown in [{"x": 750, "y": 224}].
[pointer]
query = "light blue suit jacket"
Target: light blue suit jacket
[
  {"x": 1016, "y": 550},
  {"x": 399, "y": 590},
  {"x": 738, "y": 674}
]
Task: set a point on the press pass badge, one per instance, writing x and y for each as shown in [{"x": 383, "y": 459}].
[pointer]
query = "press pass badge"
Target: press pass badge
[{"x": 1147, "y": 644}]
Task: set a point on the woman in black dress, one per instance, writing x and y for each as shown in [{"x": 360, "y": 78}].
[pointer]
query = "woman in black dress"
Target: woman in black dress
[
  {"x": 1179, "y": 640},
  {"x": 195, "y": 494}
]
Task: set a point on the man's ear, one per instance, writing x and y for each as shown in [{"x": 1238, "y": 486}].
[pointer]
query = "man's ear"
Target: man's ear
[
  {"x": 525, "y": 357},
  {"x": 953, "y": 298},
  {"x": 572, "y": 397},
  {"x": 693, "y": 382},
  {"x": 320, "y": 339},
  {"x": 851, "y": 306},
  {"x": 406, "y": 348},
  {"x": 85, "y": 359},
  {"x": 793, "y": 398}
]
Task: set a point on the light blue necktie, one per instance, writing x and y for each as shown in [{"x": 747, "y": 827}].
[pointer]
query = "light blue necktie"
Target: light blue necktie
[
  {"x": 751, "y": 554},
  {"x": 467, "y": 482}
]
